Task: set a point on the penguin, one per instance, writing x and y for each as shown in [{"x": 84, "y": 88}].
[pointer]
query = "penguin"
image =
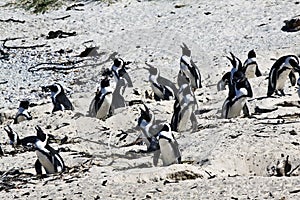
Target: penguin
[
  {"x": 118, "y": 100},
  {"x": 59, "y": 99},
  {"x": 191, "y": 71},
  {"x": 189, "y": 68},
  {"x": 22, "y": 113},
  {"x": 184, "y": 109},
  {"x": 147, "y": 123},
  {"x": 227, "y": 77},
  {"x": 161, "y": 92},
  {"x": 103, "y": 99},
  {"x": 236, "y": 101},
  {"x": 48, "y": 158},
  {"x": 250, "y": 66},
  {"x": 169, "y": 148},
  {"x": 282, "y": 68},
  {"x": 119, "y": 71}
]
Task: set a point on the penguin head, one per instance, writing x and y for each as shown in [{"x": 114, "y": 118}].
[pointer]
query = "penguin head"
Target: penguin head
[
  {"x": 118, "y": 62},
  {"x": 166, "y": 127},
  {"x": 144, "y": 115},
  {"x": 238, "y": 77},
  {"x": 235, "y": 61},
  {"x": 41, "y": 135},
  {"x": 295, "y": 64},
  {"x": 105, "y": 82},
  {"x": 24, "y": 104},
  {"x": 56, "y": 87},
  {"x": 252, "y": 54},
  {"x": 185, "y": 50},
  {"x": 13, "y": 136}
]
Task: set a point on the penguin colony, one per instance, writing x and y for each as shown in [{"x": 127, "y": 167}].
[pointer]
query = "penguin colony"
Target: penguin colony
[{"x": 159, "y": 137}]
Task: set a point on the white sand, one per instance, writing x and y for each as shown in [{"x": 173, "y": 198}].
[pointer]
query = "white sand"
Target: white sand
[{"x": 236, "y": 151}]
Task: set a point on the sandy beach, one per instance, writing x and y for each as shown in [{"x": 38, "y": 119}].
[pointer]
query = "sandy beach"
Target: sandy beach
[{"x": 223, "y": 159}]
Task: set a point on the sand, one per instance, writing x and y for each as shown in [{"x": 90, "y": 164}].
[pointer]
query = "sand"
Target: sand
[{"x": 224, "y": 158}]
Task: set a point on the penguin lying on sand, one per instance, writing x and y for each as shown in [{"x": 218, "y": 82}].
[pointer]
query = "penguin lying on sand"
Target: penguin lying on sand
[
  {"x": 284, "y": 67},
  {"x": 48, "y": 158},
  {"x": 59, "y": 99},
  {"x": 22, "y": 113}
]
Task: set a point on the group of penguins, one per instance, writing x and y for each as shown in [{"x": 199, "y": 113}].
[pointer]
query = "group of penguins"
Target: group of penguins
[{"x": 157, "y": 136}]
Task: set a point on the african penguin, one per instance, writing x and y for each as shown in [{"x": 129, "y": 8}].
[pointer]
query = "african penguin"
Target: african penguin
[
  {"x": 59, "y": 99},
  {"x": 48, "y": 158},
  {"x": 161, "y": 92},
  {"x": 169, "y": 148},
  {"x": 237, "y": 97},
  {"x": 103, "y": 99},
  {"x": 191, "y": 71},
  {"x": 227, "y": 77},
  {"x": 22, "y": 113},
  {"x": 119, "y": 71},
  {"x": 250, "y": 67},
  {"x": 283, "y": 67},
  {"x": 147, "y": 124}
]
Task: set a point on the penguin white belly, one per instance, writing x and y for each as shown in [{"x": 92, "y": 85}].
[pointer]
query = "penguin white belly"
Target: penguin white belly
[
  {"x": 21, "y": 118},
  {"x": 46, "y": 163},
  {"x": 236, "y": 108},
  {"x": 104, "y": 108},
  {"x": 250, "y": 71},
  {"x": 167, "y": 152},
  {"x": 185, "y": 116},
  {"x": 282, "y": 79},
  {"x": 157, "y": 91}
]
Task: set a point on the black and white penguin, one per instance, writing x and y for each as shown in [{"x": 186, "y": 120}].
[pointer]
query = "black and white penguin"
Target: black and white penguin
[
  {"x": 119, "y": 71},
  {"x": 283, "y": 67},
  {"x": 191, "y": 71},
  {"x": 22, "y": 113},
  {"x": 59, "y": 99},
  {"x": 227, "y": 77},
  {"x": 103, "y": 99},
  {"x": 236, "y": 101},
  {"x": 169, "y": 148},
  {"x": 250, "y": 67},
  {"x": 118, "y": 101},
  {"x": 161, "y": 92},
  {"x": 184, "y": 109},
  {"x": 147, "y": 123},
  {"x": 48, "y": 158}
]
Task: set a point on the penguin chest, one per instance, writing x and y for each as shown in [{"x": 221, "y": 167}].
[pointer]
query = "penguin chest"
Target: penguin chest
[
  {"x": 282, "y": 77},
  {"x": 250, "y": 71},
  {"x": 104, "y": 108},
  {"x": 236, "y": 108},
  {"x": 46, "y": 163},
  {"x": 157, "y": 90},
  {"x": 185, "y": 116},
  {"x": 168, "y": 154}
]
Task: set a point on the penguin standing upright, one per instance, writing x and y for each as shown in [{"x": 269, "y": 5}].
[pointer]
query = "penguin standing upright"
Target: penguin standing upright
[
  {"x": 189, "y": 68},
  {"x": 103, "y": 99},
  {"x": 161, "y": 92},
  {"x": 59, "y": 99},
  {"x": 148, "y": 125},
  {"x": 236, "y": 101},
  {"x": 119, "y": 71},
  {"x": 282, "y": 68},
  {"x": 250, "y": 67},
  {"x": 48, "y": 158},
  {"x": 169, "y": 148},
  {"x": 22, "y": 113}
]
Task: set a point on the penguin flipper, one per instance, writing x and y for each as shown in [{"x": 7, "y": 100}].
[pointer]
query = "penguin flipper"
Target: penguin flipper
[
  {"x": 38, "y": 167},
  {"x": 292, "y": 77},
  {"x": 246, "y": 111},
  {"x": 258, "y": 72}
]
